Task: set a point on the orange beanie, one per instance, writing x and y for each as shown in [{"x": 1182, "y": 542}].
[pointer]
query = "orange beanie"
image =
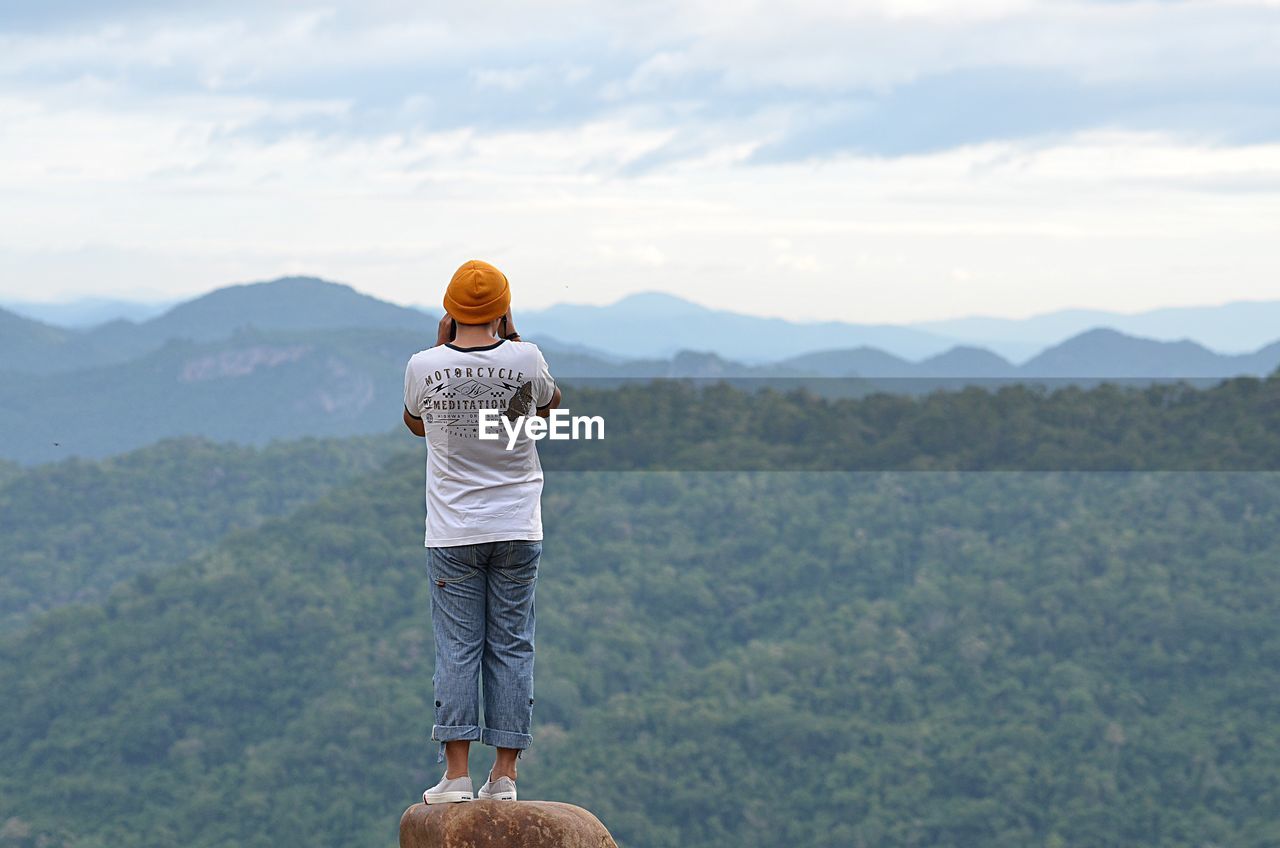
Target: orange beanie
[{"x": 477, "y": 294}]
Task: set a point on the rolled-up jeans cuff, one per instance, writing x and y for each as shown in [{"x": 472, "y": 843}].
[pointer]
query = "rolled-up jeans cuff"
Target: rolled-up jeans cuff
[
  {"x": 505, "y": 738},
  {"x": 452, "y": 733}
]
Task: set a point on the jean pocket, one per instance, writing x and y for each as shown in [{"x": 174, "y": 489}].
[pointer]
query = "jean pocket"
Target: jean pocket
[
  {"x": 522, "y": 561},
  {"x": 451, "y": 565}
]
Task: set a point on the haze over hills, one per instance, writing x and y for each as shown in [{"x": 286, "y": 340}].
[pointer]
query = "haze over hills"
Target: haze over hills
[
  {"x": 289, "y": 303},
  {"x": 643, "y": 326},
  {"x": 655, "y": 325},
  {"x": 658, "y": 325},
  {"x": 598, "y": 338},
  {"x": 301, "y": 356},
  {"x": 1110, "y": 353},
  {"x": 1097, "y": 353},
  {"x": 1237, "y": 327},
  {"x": 85, "y": 312}
]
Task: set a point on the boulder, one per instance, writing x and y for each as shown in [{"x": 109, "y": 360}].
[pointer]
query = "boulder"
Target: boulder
[{"x": 502, "y": 824}]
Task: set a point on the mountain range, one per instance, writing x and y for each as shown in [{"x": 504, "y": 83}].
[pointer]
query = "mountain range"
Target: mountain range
[
  {"x": 655, "y": 325},
  {"x": 302, "y": 356},
  {"x": 1237, "y": 327},
  {"x": 1099, "y": 353}
]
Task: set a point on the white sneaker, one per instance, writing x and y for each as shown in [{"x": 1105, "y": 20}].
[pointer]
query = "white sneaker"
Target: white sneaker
[
  {"x": 449, "y": 791},
  {"x": 502, "y": 789}
]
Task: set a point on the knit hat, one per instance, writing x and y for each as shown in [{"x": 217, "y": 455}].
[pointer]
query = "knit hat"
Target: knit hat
[{"x": 477, "y": 294}]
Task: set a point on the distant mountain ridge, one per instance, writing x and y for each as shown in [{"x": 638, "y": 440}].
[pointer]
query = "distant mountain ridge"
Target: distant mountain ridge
[
  {"x": 289, "y": 303},
  {"x": 653, "y": 325},
  {"x": 301, "y": 356},
  {"x": 1236, "y": 327},
  {"x": 1096, "y": 353},
  {"x": 85, "y": 312},
  {"x": 663, "y": 324},
  {"x": 676, "y": 324}
]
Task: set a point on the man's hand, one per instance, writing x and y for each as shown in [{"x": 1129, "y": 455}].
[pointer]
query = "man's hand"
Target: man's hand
[
  {"x": 508, "y": 328},
  {"x": 444, "y": 330}
]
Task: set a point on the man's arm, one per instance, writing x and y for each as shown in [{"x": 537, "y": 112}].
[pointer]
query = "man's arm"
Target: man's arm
[
  {"x": 545, "y": 411},
  {"x": 444, "y": 335},
  {"x": 413, "y": 423}
]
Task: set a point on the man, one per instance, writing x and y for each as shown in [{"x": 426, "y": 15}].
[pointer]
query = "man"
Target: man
[{"x": 483, "y": 528}]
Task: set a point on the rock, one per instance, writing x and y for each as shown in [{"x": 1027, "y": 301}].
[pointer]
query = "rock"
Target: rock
[{"x": 502, "y": 824}]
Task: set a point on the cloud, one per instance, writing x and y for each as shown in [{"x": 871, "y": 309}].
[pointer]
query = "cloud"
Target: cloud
[
  {"x": 887, "y": 76},
  {"x": 1030, "y": 143}
]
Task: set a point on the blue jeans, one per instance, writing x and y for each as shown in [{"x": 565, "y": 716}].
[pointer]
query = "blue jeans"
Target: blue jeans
[{"x": 482, "y": 619}]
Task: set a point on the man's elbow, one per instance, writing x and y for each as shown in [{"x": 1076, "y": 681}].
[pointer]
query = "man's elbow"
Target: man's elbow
[
  {"x": 544, "y": 411},
  {"x": 414, "y": 424}
]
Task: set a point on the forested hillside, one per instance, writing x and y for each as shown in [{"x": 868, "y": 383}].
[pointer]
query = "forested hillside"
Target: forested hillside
[
  {"x": 700, "y": 426},
  {"x": 69, "y": 531},
  {"x": 751, "y": 659}
]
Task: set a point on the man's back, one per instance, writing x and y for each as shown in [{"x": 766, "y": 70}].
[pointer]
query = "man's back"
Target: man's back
[{"x": 478, "y": 490}]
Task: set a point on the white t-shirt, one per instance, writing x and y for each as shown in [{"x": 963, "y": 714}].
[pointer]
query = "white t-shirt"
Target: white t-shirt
[{"x": 477, "y": 490}]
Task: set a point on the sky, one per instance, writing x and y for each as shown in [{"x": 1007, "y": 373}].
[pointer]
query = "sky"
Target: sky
[{"x": 878, "y": 161}]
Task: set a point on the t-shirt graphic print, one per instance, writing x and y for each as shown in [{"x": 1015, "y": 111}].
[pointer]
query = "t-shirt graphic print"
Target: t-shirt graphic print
[{"x": 477, "y": 490}]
